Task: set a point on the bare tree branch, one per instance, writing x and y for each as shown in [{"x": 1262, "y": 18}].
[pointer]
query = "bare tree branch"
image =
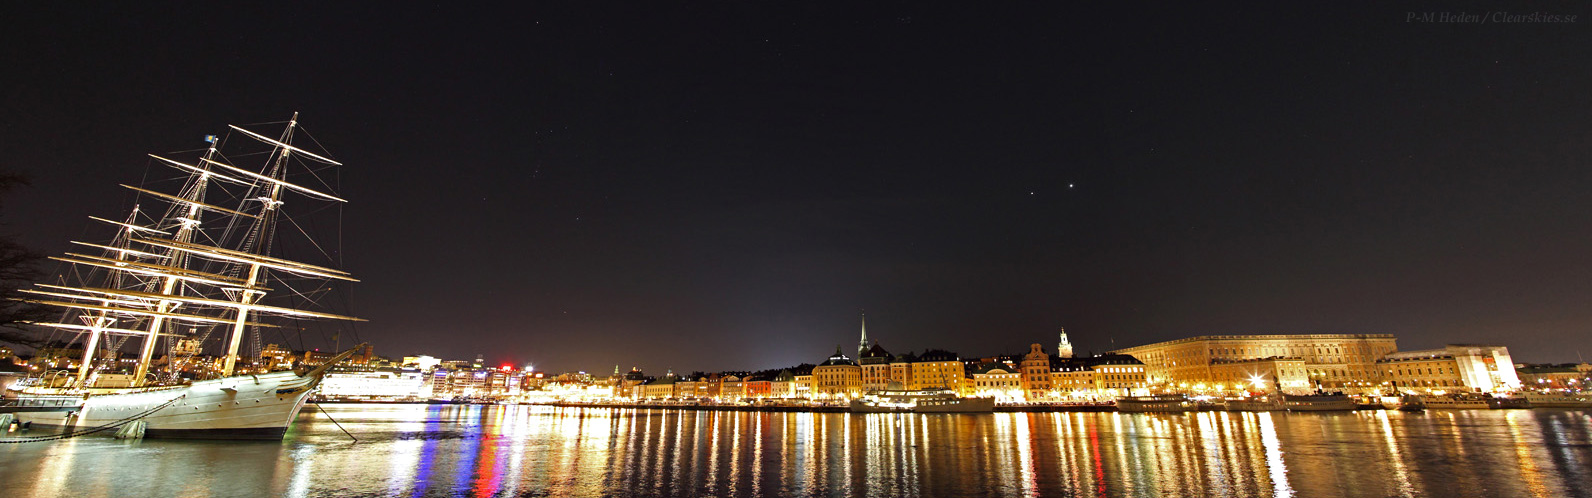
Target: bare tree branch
[{"x": 19, "y": 267}]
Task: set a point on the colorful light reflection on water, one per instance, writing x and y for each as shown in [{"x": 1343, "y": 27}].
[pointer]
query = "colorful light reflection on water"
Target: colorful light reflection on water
[{"x": 485, "y": 451}]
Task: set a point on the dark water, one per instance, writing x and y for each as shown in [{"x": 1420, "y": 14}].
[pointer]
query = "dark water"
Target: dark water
[{"x": 418, "y": 450}]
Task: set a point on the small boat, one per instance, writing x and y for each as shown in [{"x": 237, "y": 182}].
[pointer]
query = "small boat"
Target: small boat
[
  {"x": 1318, "y": 402},
  {"x": 1560, "y": 400},
  {"x": 924, "y": 401},
  {"x": 1160, "y": 403},
  {"x": 1412, "y": 403}
]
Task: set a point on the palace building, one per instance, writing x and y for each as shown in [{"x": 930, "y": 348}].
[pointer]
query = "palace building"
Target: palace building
[
  {"x": 1454, "y": 368},
  {"x": 1329, "y": 361}
]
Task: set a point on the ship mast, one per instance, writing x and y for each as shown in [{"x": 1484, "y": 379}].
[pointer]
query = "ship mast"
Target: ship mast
[
  {"x": 181, "y": 273},
  {"x": 187, "y": 223},
  {"x": 99, "y": 322},
  {"x": 259, "y": 242},
  {"x": 255, "y": 248}
]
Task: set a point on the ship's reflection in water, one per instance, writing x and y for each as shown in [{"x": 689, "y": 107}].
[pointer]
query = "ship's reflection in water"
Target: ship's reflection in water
[{"x": 483, "y": 451}]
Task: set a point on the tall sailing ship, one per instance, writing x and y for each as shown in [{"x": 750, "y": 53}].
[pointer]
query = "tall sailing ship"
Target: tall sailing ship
[{"x": 208, "y": 264}]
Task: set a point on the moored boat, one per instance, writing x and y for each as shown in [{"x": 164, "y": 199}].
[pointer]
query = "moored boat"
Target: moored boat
[
  {"x": 924, "y": 401},
  {"x": 1559, "y": 400},
  {"x": 1160, "y": 403},
  {"x": 244, "y": 407},
  {"x": 1458, "y": 402},
  {"x": 1318, "y": 402},
  {"x": 186, "y": 272},
  {"x": 1255, "y": 404},
  {"x": 1411, "y": 403}
]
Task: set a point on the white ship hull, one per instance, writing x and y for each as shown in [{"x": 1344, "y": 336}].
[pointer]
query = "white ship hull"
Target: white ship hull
[
  {"x": 1155, "y": 404},
  {"x": 1254, "y": 405},
  {"x": 245, "y": 407},
  {"x": 1541, "y": 400},
  {"x": 1318, "y": 403},
  {"x": 921, "y": 402},
  {"x": 962, "y": 405},
  {"x": 1457, "y": 403}
]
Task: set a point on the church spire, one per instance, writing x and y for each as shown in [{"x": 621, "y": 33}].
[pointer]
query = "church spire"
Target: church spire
[
  {"x": 862, "y": 346},
  {"x": 1064, "y": 349}
]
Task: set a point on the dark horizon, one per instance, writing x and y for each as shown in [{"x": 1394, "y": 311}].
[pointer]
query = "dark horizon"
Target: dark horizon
[{"x": 728, "y": 187}]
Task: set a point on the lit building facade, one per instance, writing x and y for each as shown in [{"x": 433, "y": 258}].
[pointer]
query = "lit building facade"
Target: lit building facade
[
  {"x": 937, "y": 369},
  {"x": 1331, "y": 361},
  {"x": 875, "y": 364},
  {"x": 1034, "y": 374},
  {"x": 660, "y": 388},
  {"x": 804, "y": 384},
  {"x": 1456, "y": 367},
  {"x": 837, "y": 377},
  {"x": 1287, "y": 374},
  {"x": 731, "y": 388},
  {"x": 783, "y": 385},
  {"x": 1117, "y": 375},
  {"x": 999, "y": 381},
  {"x": 1571, "y": 376}
]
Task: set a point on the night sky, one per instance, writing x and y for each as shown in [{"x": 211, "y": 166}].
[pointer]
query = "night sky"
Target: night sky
[{"x": 727, "y": 185}]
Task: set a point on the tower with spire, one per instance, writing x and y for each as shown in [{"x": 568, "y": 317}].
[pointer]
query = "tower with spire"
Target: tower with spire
[
  {"x": 1064, "y": 349},
  {"x": 862, "y": 345}
]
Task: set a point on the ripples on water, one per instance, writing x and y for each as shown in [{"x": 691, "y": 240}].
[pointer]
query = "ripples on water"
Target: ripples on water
[{"x": 482, "y": 451}]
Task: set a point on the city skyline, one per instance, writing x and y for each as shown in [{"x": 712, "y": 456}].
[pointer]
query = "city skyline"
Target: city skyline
[{"x": 732, "y": 186}]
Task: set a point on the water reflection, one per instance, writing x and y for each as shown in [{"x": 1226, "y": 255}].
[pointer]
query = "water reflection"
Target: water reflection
[{"x": 480, "y": 451}]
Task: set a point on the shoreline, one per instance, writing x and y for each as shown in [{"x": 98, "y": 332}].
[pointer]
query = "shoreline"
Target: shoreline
[{"x": 722, "y": 408}]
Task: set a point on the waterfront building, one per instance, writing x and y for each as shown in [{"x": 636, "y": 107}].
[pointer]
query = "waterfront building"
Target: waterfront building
[
  {"x": 1117, "y": 375},
  {"x": 1456, "y": 367},
  {"x": 272, "y": 357},
  {"x": 660, "y": 388},
  {"x": 625, "y": 385},
  {"x": 482, "y": 383},
  {"x": 1034, "y": 374},
  {"x": 938, "y": 369},
  {"x": 1575, "y": 376},
  {"x": 875, "y": 364},
  {"x": 1287, "y": 374},
  {"x": 759, "y": 387},
  {"x": 999, "y": 381},
  {"x": 901, "y": 371},
  {"x": 837, "y": 376},
  {"x": 783, "y": 385},
  {"x": 731, "y": 388},
  {"x": 689, "y": 388},
  {"x": 1071, "y": 380},
  {"x": 804, "y": 383},
  {"x": 1331, "y": 361}
]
